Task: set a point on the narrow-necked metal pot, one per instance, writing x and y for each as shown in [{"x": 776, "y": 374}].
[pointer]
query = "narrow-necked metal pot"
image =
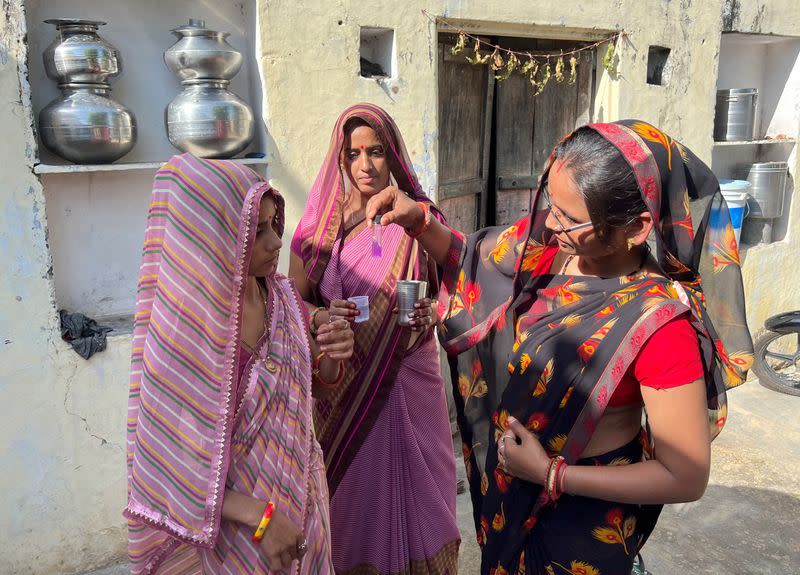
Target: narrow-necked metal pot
[
  {"x": 207, "y": 120},
  {"x": 201, "y": 53},
  {"x": 85, "y": 126},
  {"x": 80, "y": 54}
]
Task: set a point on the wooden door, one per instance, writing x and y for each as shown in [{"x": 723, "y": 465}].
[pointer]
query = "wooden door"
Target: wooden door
[
  {"x": 528, "y": 128},
  {"x": 466, "y": 95}
]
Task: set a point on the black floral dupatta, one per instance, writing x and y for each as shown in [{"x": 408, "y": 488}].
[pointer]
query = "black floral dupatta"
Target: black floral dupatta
[{"x": 550, "y": 350}]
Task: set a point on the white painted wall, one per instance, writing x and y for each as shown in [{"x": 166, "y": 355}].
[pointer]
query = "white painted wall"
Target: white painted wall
[
  {"x": 783, "y": 60},
  {"x": 61, "y": 419},
  {"x": 96, "y": 224},
  {"x": 97, "y": 219},
  {"x": 328, "y": 73}
]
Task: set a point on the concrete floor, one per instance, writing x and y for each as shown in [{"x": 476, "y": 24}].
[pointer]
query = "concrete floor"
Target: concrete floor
[{"x": 748, "y": 522}]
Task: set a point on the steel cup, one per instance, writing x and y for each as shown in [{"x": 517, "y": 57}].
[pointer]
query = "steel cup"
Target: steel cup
[{"x": 409, "y": 292}]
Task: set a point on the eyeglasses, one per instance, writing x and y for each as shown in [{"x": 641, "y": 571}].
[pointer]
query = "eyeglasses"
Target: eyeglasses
[{"x": 557, "y": 215}]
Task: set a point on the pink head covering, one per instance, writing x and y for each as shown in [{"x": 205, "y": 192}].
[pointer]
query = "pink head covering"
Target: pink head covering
[{"x": 184, "y": 427}]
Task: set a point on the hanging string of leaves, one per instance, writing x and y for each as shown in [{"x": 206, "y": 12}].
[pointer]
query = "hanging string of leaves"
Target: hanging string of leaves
[{"x": 539, "y": 68}]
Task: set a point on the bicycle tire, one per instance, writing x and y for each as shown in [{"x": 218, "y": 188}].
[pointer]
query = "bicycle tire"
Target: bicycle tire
[{"x": 767, "y": 376}]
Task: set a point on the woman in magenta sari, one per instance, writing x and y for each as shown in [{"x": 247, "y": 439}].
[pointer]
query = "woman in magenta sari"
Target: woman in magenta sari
[
  {"x": 384, "y": 431},
  {"x": 220, "y": 434}
]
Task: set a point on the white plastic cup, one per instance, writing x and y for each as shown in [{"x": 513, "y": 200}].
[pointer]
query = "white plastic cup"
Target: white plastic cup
[
  {"x": 409, "y": 292},
  {"x": 362, "y": 303}
]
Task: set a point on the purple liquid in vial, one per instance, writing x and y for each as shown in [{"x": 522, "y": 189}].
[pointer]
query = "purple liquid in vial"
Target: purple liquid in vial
[{"x": 377, "y": 237}]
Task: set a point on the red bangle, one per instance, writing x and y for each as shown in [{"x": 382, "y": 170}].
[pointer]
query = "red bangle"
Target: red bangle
[
  {"x": 425, "y": 221},
  {"x": 561, "y": 467},
  {"x": 551, "y": 481},
  {"x": 562, "y": 479},
  {"x": 318, "y": 378}
]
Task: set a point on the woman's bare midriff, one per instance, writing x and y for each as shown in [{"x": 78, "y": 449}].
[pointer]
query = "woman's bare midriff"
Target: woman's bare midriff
[{"x": 616, "y": 428}]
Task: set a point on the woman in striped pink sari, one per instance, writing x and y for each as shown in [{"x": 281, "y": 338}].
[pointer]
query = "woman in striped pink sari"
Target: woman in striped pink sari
[
  {"x": 219, "y": 419},
  {"x": 385, "y": 431}
]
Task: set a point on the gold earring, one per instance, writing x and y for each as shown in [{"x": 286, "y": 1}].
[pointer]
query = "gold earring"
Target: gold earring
[{"x": 631, "y": 243}]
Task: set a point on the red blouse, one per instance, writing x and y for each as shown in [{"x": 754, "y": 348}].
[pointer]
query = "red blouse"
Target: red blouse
[{"x": 670, "y": 358}]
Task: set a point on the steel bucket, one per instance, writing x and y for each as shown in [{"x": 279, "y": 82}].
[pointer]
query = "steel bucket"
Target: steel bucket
[
  {"x": 767, "y": 187},
  {"x": 735, "y": 116}
]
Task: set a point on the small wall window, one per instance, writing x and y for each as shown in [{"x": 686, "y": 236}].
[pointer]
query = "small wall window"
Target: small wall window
[
  {"x": 377, "y": 52},
  {"x": 659, "y": 67}
]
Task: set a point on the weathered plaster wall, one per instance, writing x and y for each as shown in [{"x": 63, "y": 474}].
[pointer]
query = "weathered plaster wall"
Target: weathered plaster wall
[
  {"x": 61, "y": 419},
  {"x": 780, "y": 17},
  {"x": 323, "y": 67}
]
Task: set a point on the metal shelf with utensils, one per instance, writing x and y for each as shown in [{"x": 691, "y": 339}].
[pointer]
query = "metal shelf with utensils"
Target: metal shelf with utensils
[
  {"x": 768, "y": 141},
  {"x": 120, "y": 167}
]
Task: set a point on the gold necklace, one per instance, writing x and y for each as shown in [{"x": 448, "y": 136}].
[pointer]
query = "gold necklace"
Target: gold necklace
[
  {"x": 271, "y": 367},
  {"x": 267, "y": 361}
]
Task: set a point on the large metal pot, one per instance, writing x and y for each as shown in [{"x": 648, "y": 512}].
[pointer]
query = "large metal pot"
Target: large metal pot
[
  {"x": 735, "y": 116},
  {"x": 202, "y": 53},
  {"x": 209, "y": 121},
  {"x": 85, "y": 126},
  {"x": 79, "y": 54},
  {"x": 767, "y": 187}
]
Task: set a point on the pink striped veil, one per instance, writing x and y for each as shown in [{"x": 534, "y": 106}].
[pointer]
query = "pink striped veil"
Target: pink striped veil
[
  {"x": 321, "y": 221},
  {"x": 183, "y": 387}
]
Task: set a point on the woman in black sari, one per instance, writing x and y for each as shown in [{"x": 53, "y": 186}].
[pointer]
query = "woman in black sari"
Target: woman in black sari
[{"x": 621, "y": 292}]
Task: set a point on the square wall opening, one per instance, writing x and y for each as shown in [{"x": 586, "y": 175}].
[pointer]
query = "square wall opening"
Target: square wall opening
[{"x": 377, "y": 52}]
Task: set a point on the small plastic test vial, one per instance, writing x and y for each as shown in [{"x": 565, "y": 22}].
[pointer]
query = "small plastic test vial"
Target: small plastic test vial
[{"x": 377, "y": 237}]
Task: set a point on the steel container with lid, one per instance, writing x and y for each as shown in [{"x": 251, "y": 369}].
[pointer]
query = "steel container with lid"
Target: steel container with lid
[
  {"x": 735, "y": 116},
  {"x": 767, "y": 187}
]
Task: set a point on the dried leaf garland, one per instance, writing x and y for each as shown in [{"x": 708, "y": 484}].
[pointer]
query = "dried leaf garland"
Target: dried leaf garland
[
  {"x": 538, "y": 85},
  {"x": 526, "y": 67},
  {"x": 539, "y": 74},
  {"x": 560, "y": 70},
  {"x": 460, "y": 44},
  {"x": 497, "y": 59},
  {"x": 545, "y": 77},
  {"x": 608, "y": 59},
  {"x": 478, "y": 59},
  {"x": 511, "y": 65},
  {"x": 534, "y": 69},
  {"x": 573, "y": 69}
]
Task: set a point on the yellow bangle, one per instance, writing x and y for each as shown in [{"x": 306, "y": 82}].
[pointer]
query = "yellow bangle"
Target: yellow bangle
[{"x": 262, "y": 525}]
